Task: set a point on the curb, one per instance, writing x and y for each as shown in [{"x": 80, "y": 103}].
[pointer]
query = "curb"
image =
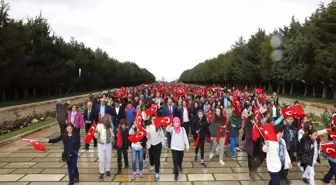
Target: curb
[{"x": 20, "y": 136}]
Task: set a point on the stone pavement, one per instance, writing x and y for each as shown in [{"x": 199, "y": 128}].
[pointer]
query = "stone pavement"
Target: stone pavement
[{"x": 20, "y": 164}]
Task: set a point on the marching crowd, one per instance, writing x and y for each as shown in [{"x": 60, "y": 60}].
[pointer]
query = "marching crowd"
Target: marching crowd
[{"x": 148, "y": 117}]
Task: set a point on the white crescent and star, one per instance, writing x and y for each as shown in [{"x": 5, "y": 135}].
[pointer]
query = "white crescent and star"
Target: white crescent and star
[
  {"x": 330, "y": 149},
  {"x": 289, "y": 113}
]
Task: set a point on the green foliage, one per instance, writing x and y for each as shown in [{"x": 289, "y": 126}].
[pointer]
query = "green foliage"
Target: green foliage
[
  {"x": 34, "y": 62},
  {"x": 301, "y": 56}
]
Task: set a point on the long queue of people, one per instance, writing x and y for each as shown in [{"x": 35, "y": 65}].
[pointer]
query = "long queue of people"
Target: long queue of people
[{"x": 234, "y": 115}]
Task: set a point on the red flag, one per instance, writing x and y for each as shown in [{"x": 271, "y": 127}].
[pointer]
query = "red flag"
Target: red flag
[
  {"x": 258, "y": 90},
  {"x": 119, "y": 138},
  {"x": 36, "y": 145},
  {"x": 262, "y": 97},
  {"x": 287, "y": 112},
  {"x": 332, "y": 134},
  {"x": 298, "y": 111},
  {"x": 90, "y": 134},
  {"x": 268, "y": 132},
  {"x": 245, "y": 88},
  {"x": 227, "y": 136},
  {"x": 139, "y": 119},
  {"x": 138, "y": 136},
  {"x": 334, "y": 119},
  {"x": 153, "y": 109},
  {"x": 257, "y": 113},
  {"x": 209, "y": 112},
  {"x": 197, "y": 140},
  {"x": 163, "y": 121},
  {"x": 255, "y": 133},
  {"x": 221, "y": 130},
  {"x": 329, "y": 149}
]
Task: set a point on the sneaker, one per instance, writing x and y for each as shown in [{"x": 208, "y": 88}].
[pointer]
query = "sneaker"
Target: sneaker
[
  {"x": 119, "y": 171},
  {"x": 108, "y": 174},
  {"x": 133, "y": 176},
  {"x": 141, "y": 174},
  {"x": 238, "y": 149},
  {"x": 234, "y": 157},
  {"x": 221, "y": 162},
  {"x": 195, "y": 158},
  {"x": 203, "y": 164},
  {"x": 101, "y": 177},
  {"x": 151, "y": 169},
  {"x": 305, "y": 180},
  {"x": 157, "y": 177},
  {"x": 211, "y": 156},
  {"x": 176, "y": 177}
]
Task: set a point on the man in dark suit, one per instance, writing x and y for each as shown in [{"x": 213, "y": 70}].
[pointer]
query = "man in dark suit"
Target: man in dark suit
[
  {"x": 90, "y": 116},
  {"x": 103, "y": 109},
  {"x": 61, "y": 114},
  {"x": 118, "y": 113},
  {"x": 170, "y": 110}
]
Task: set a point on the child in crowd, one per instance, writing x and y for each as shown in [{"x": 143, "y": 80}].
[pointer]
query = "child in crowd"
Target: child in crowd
[
  {"x": 137, "y": 152},
  {"x": 179, "y": 143},
  {"x": 123, "y": 144},
  {"x": 202, "y": 132},
  {"x": 104, "y": 134},
  {"x": 235, "y": 123},
  {"x": 310, "y": 147},
  {"x": 277, "y": 158}
]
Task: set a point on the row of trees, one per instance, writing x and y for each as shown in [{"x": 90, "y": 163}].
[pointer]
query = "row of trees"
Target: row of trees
[
  {"x": 299, "y": 58},
  {"x": 36, "y": 62}
]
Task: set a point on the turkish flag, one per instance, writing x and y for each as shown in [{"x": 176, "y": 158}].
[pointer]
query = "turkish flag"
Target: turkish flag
[
  {"x": 197, "y": 140},
  {"x": 332, "y": 134},
  {"x": 163, "y": 121},
  {"x": 138, "y": 136},
  {"x": 179, "y": 91},
  {"x": 298, "y": 111},
  {"x": 255, "y": 132},
  {"x": 268, "y": 132},
  {"x": 334, "y": 119},
  {"x": 221, "y": 130},
  {"x": 90, "y": 134},
  {"x": 209, "y": 115},
  {"x": 329, "y": 149},
  {"x": 287, "y": 112},
  {"x": 119, "y": 138},
  {"x": 262, "y": 97},
  {"x": 227, "y": 136},
  {"x": 257, "y": 113},
  {"x": 153, "y": 109},
  {"x": 138, "y": 119},
  {"x": 35, "y": 144},
  {"x": 258, "y": 90}
]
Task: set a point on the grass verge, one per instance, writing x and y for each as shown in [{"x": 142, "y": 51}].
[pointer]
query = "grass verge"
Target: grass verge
[
  {"x": 26, "y": 129},
  {"x": 308, "y": 99}
]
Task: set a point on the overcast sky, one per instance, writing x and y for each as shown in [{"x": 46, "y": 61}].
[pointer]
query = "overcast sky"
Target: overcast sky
[{"x": 164, "y": 36}]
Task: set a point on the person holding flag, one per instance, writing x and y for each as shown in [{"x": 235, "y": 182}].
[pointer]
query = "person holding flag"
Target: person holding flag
[
  {"x": 202, "y": 132},
  {"x": 277, "y": 158},
  {"x": 234, "y": 126},
  {"x": 71, "y": 143},
  {"x": 122, "y": 144},
  {"x": 217, "y": 131}
]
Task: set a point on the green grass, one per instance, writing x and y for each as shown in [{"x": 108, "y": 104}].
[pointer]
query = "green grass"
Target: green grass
[
  {"x": 26, "y": 129},
  {"x": 8, "y": 103}
]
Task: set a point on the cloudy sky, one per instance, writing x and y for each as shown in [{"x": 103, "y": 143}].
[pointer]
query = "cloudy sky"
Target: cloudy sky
[{"x": 164, "y": 36}]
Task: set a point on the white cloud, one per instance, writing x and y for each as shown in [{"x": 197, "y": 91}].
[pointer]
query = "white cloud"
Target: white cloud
[{"x": 164, "y": 36}]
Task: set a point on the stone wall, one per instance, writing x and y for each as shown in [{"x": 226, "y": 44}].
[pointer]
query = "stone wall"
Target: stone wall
[{"x": 21, "y": 111}]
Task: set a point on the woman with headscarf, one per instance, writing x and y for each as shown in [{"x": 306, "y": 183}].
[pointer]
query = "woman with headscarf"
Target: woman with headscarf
[{"x": 179, "y": 143}]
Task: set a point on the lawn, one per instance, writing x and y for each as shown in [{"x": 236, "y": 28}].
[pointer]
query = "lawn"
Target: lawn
[
  {"x": 308, "y": 99},
  {"x": 9, "y": 103},
  {"x": 26, "y": 129}
]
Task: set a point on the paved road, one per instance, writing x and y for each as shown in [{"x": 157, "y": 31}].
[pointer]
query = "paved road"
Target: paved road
[{"x": 22, "y": 165}]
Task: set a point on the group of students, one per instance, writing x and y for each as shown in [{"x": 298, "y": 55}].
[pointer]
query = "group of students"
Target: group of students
[{"x": 192, "y": 113}]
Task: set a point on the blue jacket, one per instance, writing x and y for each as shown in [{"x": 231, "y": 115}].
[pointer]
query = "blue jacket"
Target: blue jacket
[
  {"x": 166, "y": 111},
  {"x": 71, "y": 144}
]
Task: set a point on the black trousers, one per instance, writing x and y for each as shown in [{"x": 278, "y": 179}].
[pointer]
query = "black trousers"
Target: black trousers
[
  {"x": 87, "y": 128},
  {"x": 186, "y": 126},
  {"x": 292, "y": 157},
  {"x": 120, "y": 152},
  {"x": 177, "y": 160},
  {"x": 201, "y": 146},
  {"x": 168, "y": 139},
  {"x": 154, "y": 156},
  {"x": 61, "y": 124}
]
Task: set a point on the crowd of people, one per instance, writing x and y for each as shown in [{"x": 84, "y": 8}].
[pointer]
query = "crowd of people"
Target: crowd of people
[{"x": 220, "y": 116}]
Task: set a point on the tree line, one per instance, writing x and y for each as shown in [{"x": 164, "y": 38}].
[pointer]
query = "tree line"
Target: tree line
[
  {"x": 35, "y": 62},
  {"x": 296, "y": 59}
]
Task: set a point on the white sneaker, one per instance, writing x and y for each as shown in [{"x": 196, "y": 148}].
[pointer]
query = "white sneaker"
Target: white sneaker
[
  {"x": 217, "y": 151},
  {"x": 221, "y": 162},
  {"x": 211, "y": 156}
]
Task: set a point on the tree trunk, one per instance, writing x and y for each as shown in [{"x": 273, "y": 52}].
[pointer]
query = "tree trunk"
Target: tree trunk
[
  {"x": 291, "y": 89},
  {"x": 25, "y": 92},
  {"x": 324, "y": 92},
  {"x": 270, "y": 89},
  {"x": 334, "y": 91},
  {"x": 34, "y": 92},
  {"x": 284, "y": 88},
  {"x": 306, "y": 90},
  {"x": 3, "y": 95},
  {"x": 49, "y": 91},
  {"x": 314, "y": 91},
  {"x": 264, "y": 86},
  {"x": 278, "y": 88},
  {"x": 16, "y": 94}
]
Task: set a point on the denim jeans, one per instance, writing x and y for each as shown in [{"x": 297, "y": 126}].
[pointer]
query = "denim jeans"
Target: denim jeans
[
  {"x": 332, "y": 172},
  {"x": 233, "y": 144},
  {"x": 137, "y": 154},
  {"x": 72, "y": 168}
]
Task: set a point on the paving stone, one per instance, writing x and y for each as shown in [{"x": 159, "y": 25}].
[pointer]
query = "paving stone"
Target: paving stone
[
  {"x": 155, "y": 183},
  {"x": 27, "y": 171},
  {"x": 13, "y": 183},
  {"x": 3, "y": 164},
  {"x": 218, "y": 183},
  {"x": 20, "y": 165},
  {"x": 200, "y": 177},
  {"x": 49, "y": 165},
  {"x": 43, "y": 177},
  {"x": 170, "y": 177},
  {"x": 56, "y": 170},
  {"x": 17, "y": 159},
  {"x": 36, "y": 154},
  {"x": 46, "y": 159},
  {"x": 89, "y": 177},
  {"x": 10, "y": 177},
  {"x": 50, "y": 183},
  {"x": 125, "y": 178},
  {"x": 234, "y": 176},
  {"x": 6, "y": 171}
]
